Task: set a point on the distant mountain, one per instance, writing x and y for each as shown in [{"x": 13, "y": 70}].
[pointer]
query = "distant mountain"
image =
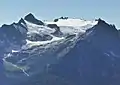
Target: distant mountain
[{"x": 62, "y": 52}]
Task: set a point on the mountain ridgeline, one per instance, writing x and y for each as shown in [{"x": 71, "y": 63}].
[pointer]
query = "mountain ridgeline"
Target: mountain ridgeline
[{"x": 63, "y": 52}]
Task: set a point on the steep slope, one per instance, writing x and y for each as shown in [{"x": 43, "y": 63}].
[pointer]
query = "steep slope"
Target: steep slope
[{"x": 95, "y": 59}]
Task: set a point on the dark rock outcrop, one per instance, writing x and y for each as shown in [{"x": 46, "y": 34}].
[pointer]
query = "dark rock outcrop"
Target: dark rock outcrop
[
  {"x": 32, "y": 19},
  {"x": 37, "y": 37}
]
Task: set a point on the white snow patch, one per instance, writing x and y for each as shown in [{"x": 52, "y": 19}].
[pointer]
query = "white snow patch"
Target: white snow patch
[
  {"x": 14, "y": 51},
  {"x": 37, "y": 43},
  {"x": 73, "y": 22}
]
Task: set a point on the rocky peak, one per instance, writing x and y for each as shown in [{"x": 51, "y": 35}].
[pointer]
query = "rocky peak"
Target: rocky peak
[
  {"x": 21, "y": 21},
  {"x": 30, "y": 18}
]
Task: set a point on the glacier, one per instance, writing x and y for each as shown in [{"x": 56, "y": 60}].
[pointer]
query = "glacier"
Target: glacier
[{"x": 81, "y": 52}]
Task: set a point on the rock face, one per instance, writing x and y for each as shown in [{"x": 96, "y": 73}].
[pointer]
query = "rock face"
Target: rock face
[
  {"x": 57, "y": 30},
  {"x": 32, "y": 19},
  {"x": 59, "y": 53}
]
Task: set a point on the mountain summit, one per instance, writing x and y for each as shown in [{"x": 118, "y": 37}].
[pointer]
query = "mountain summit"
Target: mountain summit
[
  {"x": 65, "y": 51},
  {"x": 30, "y": 17}
]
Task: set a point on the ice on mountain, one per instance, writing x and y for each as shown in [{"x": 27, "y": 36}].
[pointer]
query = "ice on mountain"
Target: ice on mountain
[{"x": 73, "y": 25}]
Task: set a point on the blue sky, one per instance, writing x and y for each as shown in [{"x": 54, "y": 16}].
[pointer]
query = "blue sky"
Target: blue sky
[{"x": 12, "y": 10}]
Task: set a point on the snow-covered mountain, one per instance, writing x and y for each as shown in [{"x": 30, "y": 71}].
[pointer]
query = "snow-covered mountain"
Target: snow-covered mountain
[{"x": 65, "y": 51}]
